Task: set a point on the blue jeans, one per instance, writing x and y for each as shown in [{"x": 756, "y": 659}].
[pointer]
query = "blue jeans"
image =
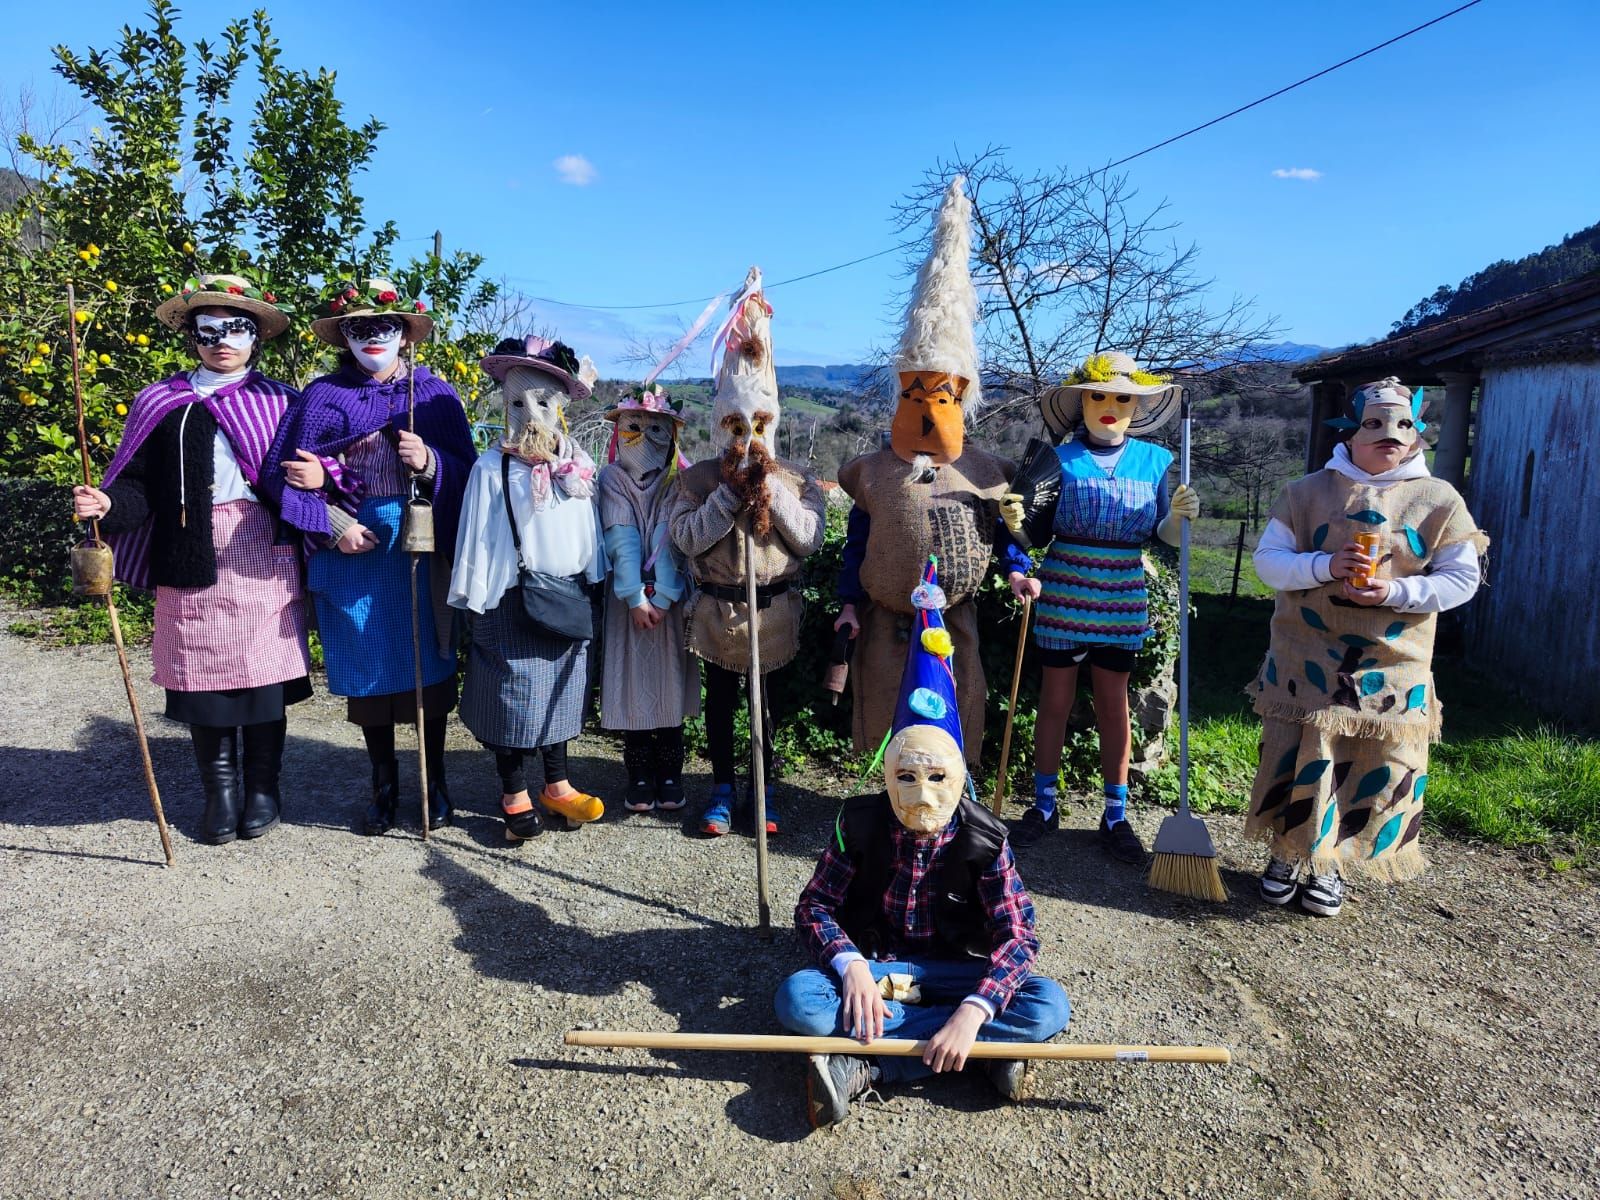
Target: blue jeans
[{"x": 809, "y": 1002}]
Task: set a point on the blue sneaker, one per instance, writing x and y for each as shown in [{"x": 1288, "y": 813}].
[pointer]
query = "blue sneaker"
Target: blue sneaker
[
  {"x": 771, "y": 808},
  {"x": 718, "y": 816}
]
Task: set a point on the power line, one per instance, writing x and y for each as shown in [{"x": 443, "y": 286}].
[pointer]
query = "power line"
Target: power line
[{"x": 1161, "y": 145}]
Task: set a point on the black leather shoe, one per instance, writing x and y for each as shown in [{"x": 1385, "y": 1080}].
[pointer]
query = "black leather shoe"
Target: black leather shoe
[
  {"x": 214, "y": 749},
  {"x": 439, "y": 809},
  {"x": 261, "y": 760},
  {"x": 385, "y": 797},
  {"x": 1032, "y": 827}
]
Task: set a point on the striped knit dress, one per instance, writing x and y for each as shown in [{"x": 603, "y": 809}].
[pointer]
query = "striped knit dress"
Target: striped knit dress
[{"x": 1112, "y": 499}]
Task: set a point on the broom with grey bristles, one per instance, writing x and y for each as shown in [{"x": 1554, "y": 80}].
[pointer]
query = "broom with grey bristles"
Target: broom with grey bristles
[{"x": 1185, "y": 860}]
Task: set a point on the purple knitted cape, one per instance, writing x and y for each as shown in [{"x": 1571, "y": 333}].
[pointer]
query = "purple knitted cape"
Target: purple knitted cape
[{"x": 338, "y": 410}]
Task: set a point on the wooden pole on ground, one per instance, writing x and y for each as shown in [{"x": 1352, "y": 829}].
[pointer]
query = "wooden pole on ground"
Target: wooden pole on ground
[
  {"x": 1011, "y": 709},
  {"x": 110, "y": 599},
  {"x": 762, "y": 1043},
  {"x": 416, "y": 611}
]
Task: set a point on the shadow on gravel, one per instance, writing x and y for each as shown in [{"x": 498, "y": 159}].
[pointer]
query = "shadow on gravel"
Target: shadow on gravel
[{"x": 712, "y": 978}]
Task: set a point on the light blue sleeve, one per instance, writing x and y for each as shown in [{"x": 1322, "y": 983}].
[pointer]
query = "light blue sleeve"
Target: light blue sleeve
[
  {"x": 668, "y": 569},
  {"x": 622, "y": 547}
]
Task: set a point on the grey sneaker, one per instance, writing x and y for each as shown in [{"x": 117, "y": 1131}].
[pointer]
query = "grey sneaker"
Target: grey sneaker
[
  {"x": 832, "y": 1081},
  {"x": 1323, "y": 895},
  {"x": 1280, "y": 882},
  {"x": 1010, "y": 1077}
]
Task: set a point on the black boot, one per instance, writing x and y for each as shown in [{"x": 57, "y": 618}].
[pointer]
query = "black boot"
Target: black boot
[
  {"x": 439, "y": 809},
  {"x": 385, "y": 796},
  {"x": 214, "y": 748},
  {"x": 262, "y": 758}
]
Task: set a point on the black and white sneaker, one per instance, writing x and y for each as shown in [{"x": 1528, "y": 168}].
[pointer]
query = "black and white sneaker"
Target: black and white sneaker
[
  {"x": 1035, "y": 825},
  {"x": 1280, "y": 882},
  {"x": 1323, "y": 895},
  {"x": 832, "y": 1081}
]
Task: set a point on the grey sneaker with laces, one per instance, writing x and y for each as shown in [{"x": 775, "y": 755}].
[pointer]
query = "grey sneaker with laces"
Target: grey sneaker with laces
[
  {"x": 1280, "y": 882},
  {"x": 1323, "y": 895},
  {"x": 1009, "y": 1077},
  {"x": 832, "y": 1081}
]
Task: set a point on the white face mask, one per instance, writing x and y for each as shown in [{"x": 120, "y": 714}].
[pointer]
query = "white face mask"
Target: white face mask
[
  {"x": 376, "y": 351},
  {"x": 532, "y": 398},
  {"x": 925, "y": 777},
  {"x": 644, "y": 443},
  {"x": 237, "y": 333}
]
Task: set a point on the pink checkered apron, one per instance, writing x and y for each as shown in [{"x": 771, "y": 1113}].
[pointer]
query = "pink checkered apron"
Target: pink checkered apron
[{"x": 245, "y": 630}]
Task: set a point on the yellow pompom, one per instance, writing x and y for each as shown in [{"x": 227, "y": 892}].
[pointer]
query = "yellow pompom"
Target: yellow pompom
[
  {"x": 937, "y": 641},
  {"x": 1148, "y": 378}
]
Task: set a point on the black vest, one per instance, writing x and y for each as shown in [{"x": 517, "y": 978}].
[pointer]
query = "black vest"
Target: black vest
[{"x": 960, "y": 921}]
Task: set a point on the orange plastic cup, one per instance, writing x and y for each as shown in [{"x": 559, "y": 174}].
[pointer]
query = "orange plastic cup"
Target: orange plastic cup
[{"x": 1371, "y": 543}]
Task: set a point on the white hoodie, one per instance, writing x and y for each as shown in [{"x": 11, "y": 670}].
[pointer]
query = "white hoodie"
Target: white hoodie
[{"x": 1451, "y": 580}]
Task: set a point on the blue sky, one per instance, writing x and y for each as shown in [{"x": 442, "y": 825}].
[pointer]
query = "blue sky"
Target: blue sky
[{"x": 714, "y": 136}]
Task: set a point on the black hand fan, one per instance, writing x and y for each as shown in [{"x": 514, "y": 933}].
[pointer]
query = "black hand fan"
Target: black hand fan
[{"x": 1038, "y": 482}]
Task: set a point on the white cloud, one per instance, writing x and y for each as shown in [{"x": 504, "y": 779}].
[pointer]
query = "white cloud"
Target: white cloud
[
  {"x": 575, "y": 169},
  {"x": 1306, "y": 173}
]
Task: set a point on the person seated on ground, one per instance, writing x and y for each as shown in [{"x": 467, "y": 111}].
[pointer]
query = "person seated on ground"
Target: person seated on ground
[{"x": 915, "y": 918}]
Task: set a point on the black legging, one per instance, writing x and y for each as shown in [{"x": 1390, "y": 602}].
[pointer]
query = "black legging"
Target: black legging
[
  {"x": 380, "y": 745},
  {"x": 548, "y": 761},
  {"x": 722, "y": 702},
  {"x": 653, "y": 755}
]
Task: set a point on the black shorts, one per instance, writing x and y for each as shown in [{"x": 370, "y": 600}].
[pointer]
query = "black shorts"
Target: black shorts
[{"x": 1107, "y": 658}]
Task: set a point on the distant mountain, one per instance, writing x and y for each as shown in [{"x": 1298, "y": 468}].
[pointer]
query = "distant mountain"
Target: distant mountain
[
  {"x": 1290, "y": 352},
  {"x": 837, "y": 378}
]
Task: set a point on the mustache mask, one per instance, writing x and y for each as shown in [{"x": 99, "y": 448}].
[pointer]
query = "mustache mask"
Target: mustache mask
[
  {"x": 237, "y": 333},
  {"x": 375, "y": 342}
]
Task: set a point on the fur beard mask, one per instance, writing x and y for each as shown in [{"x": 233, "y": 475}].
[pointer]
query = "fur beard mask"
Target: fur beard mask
[{"x": 748, "y": 481}]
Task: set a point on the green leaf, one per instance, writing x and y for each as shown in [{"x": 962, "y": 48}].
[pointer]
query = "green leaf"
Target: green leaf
[
  {"x": 1373, "y": 782},
  {"x": 1311, "y": 772}
]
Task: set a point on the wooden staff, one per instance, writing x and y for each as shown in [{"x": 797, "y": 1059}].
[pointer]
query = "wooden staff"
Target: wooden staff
[
  {"x": 764, "y": 1043},
  {"x": 416, "y": 611},
  {"x": 758, "y": 766},
  {"x": 1011, "y": 709},
  {"x": 111, "y": 603}
]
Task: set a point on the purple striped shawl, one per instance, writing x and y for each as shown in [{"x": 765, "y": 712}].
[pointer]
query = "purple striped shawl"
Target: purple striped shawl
[{"x": 248, "y": 412}]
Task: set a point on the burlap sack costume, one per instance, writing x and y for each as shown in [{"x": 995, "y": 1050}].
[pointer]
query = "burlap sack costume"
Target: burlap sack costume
[
  {"x": 707, "y": 526},
  {"x": 1346, "y": 693},
  {"x": 952, "y": 517}
]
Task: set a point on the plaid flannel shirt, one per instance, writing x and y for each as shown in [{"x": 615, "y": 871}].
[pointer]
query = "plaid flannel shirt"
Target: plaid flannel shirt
[{"x": 908, "y": 906}]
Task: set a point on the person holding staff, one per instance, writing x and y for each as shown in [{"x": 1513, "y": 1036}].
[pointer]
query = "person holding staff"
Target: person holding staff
[
  {"x": 183, "y": 507},
  {"x": 342, "y": 467}
]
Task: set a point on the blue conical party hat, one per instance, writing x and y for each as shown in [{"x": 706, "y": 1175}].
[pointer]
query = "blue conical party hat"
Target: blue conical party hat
[{"x": 928, "y": 686}]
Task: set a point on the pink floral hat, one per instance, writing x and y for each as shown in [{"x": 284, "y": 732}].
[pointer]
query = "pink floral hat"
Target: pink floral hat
[{"x": 555, "y": 359}]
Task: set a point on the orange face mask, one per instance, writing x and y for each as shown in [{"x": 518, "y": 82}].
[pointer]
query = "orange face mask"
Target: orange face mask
[{"x": 929, "y": 418}]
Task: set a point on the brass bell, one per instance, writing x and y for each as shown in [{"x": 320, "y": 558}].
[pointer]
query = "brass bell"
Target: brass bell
[
  {"x": 416, "y": 532},
  {"x": 92, "y": 568}
]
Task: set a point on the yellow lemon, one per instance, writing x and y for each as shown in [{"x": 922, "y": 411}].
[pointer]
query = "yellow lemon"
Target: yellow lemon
[
  {"x": 111, "y": 285},
  {"x": 143, "y": 340},
  {"x": 188, "y": 247},
  {"x": 94, "y": 250},
  {"x": 44, "y": 347},
  {"x": 80, "y": 316},
  {"x": 105, "y": 360},
  {"x": 128, "y": 337},
  {"x": 36, "y": 361},
  {"x": 85, "y": 255},
  {"x": 166, "y": 289},
  {"x": 28, "y": 399},
  {"x": 94, "y": 439},
  {"x": 122, "y": 410}
]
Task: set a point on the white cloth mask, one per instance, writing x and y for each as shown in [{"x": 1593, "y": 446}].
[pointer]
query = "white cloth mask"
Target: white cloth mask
[
  {"x": 532, "y": 398},
  {"x": 644, "y": 443},
  {"x": 238, "y": 333},
  {"x": 376, "y": 350},
  {"x": 925, "y": 775}
]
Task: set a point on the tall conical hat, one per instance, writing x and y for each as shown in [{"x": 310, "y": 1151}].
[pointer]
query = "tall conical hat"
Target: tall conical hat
[
  {"x": 928, "y": 685},
  {"x": 940, "y": 320},
  {"x": 747, "y": 380}
]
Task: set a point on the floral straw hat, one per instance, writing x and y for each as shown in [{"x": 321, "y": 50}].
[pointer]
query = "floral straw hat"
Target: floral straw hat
[
  {"x": 651, "y": 399},
  {"x": 1117, "y": 374},
  {"x": 556, "y": 359},
  {"x": 226, "y": 291},
  {"x": 371, "y": 298}
]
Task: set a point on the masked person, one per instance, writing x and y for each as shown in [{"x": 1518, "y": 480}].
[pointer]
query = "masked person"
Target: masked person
[
  {"x": 928, "y": 494},
  {"x": 182, "y": 507},
  {"x": 529, "y": 515},
  {"x": 650, "y": 682},
  {"x": 747, "y": 494},
  {"x": 1094, "y": 607},
  {"x": 344, "y": 465},
  {"x": 1363, "y": 555},
  {"x": 915, "y": 919}
]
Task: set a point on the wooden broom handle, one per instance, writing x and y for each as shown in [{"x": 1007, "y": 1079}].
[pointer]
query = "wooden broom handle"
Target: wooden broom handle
[
  {"x": 1011, "y": 709},
  {"x": 897, "y": 1047}
]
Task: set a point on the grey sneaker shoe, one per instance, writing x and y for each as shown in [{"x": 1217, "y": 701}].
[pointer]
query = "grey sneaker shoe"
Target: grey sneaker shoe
[
  {"x": 1323, "y": 895},
  {"x": 1280, "y": 882},
  {"x": 832, "y": 1081},
  {"x": 1010, "y": 1077}
]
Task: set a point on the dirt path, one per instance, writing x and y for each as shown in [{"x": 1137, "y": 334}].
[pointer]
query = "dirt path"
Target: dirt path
[{"x": 319, "y": 1014}]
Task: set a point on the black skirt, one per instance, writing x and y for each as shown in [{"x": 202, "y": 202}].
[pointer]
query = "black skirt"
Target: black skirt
[{"x": 231, "y": 707}]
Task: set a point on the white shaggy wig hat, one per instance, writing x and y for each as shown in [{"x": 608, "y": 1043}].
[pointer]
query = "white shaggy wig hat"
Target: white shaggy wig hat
[
  {"x": 747, "y": 381},
  {"x": 939, "y": 323}
]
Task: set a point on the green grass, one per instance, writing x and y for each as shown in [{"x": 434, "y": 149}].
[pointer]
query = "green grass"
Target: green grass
[{"x": 1503, "y": 774}]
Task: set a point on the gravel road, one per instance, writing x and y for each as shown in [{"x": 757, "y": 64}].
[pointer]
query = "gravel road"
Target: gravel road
[{"x": 320, "y": 1014}]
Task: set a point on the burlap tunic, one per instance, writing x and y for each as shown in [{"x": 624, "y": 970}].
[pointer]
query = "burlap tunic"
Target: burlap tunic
[
  {"x": 954, "y": 517},
  {"x": 1346, "y": 692},
  {"x": 709, "y": 530}
]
